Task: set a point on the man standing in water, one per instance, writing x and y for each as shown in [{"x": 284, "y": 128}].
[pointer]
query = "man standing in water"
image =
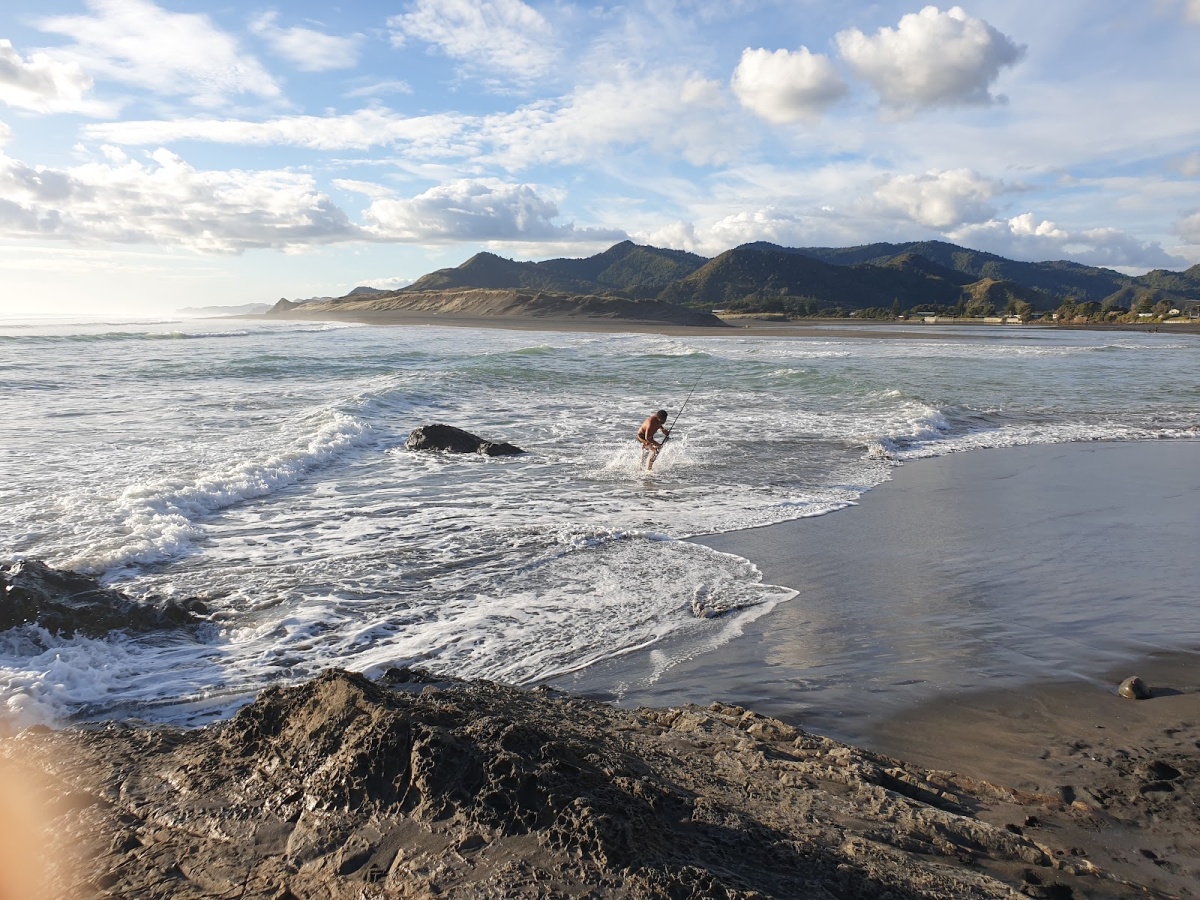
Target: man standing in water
[{"x": 650, "y": 447}]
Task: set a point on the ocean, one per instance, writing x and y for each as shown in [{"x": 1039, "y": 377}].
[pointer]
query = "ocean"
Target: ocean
[{"x": 261, "y": 467}]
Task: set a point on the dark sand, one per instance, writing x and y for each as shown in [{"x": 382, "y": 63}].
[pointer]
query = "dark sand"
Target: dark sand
[
  {"x": 975, "y": 615},
  {"x": 990, "y": 569},
  {"x": 738, "y": 327}
]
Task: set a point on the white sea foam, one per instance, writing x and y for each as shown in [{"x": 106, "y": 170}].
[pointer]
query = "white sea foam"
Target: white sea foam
[
  {"x": 268, "y": 473},
  {"x": 163, "y": 519}
]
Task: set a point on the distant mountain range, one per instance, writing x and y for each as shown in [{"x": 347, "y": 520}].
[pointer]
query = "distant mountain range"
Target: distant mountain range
[{"x": 810, "y": 280}]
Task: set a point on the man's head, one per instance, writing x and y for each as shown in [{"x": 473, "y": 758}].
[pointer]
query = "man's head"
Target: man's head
[{"x": 661, "y": 415}]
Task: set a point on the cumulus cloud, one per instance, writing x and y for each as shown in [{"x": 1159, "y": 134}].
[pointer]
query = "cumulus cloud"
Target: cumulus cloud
[
  {"x": 940, "y": 199},
  {"x": 466, "y": 210},
  {"x": 308, "y": 50},
  {"x": 505, "y": 36},
  {"x": 767, "y": 224},
  {"x": 356, "y": 131},
  {"x": 165, "y": 201},
  {"x": 785, "y": 87},
  {"x": 137, "y": 43},
  {"x": 162, "y": 200},
  {"x": 1191, "y": 11},
  {"x": 931, "y": 59},
  {"x": 44, "y": 85},
  {"x": 1025, "y": 237}
]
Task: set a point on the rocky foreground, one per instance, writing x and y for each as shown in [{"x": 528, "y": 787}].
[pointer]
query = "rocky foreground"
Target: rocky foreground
[{"x": 415, "y": 786}]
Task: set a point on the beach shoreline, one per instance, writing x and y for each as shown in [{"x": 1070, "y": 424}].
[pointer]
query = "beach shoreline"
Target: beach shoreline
[
  {"x": 1052, "y": 786},
  {"x": 1058, "y": 729},
  {"x": 735, "y": 327},
  {"x": 939, "y": 561}
]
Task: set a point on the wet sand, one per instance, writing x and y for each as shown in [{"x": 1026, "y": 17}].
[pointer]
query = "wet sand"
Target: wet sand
[
  {"x": 975, "y": 615},
  {"x": 985, "y": 570}
]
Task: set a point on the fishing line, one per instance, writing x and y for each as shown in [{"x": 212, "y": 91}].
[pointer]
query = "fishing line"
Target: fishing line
[{"x": 667, "y": 437}]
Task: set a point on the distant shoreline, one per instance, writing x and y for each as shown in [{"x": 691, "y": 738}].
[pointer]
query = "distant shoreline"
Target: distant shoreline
[{"x": 741, "y": 326}]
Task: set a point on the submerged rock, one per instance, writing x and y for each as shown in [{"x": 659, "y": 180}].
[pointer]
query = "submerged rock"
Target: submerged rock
[
  {"x": 455, "y": 440},
  {"x": 66, "y": 603},
  {"x": 1134, "y": 688}
]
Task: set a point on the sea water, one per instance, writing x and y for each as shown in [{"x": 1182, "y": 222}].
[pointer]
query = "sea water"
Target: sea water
[{"x": 261, "y": 467}]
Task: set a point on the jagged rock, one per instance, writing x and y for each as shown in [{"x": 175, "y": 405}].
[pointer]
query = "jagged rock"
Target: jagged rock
[
  {"x": 66, "y": 603},
  {"x": 455, "y": 440},
  {"x": 343, "y": 787},
  {"x": 1134, "y": 688}
]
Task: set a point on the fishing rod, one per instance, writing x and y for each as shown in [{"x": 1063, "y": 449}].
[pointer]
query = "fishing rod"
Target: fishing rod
[{"x": 667, "y": 436}]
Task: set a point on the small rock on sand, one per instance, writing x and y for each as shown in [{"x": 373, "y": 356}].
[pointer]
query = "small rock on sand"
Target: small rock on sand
[{"x": 1134, "y": 688}]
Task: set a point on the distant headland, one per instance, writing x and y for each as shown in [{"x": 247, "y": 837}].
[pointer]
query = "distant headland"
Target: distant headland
[{"x": 634, "y": 283}]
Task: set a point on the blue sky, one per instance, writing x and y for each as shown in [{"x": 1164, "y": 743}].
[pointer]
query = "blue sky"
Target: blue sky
[{"x": 155, "y": 155}]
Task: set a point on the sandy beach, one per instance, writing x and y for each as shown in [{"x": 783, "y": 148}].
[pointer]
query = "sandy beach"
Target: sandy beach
[
  {"x": 735, "y": 327},
  {"x": 944, "y": 620},
  {"x": 747, "y": 326}
]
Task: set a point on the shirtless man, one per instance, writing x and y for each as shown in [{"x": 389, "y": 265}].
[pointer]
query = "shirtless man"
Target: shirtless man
[{"x": 650, "y": 447}]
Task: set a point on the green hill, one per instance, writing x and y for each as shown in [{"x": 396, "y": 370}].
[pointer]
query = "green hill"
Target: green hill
[
  {"x": 626, "y": 269},
  {"x": 1058, "y": 278},
  {"x": 775, "y": 279},
  {"x": 764, "y": 277}
]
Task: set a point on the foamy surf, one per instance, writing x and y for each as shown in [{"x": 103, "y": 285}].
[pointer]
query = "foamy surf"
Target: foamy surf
[{"x": 271, "y": 479}]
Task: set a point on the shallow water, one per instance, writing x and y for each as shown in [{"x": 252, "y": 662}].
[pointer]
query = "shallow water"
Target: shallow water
[{"x": 261, "y": 465}]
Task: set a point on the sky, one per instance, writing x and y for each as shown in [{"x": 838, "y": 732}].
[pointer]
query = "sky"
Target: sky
[{"x": 158, "y": 155}]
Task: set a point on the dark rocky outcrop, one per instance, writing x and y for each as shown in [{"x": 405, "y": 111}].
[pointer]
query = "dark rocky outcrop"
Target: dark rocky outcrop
[
  {"x": 66, "y": 603},
  {"x": 456, "y": 440},
  {"x": 418, "y": 786}
]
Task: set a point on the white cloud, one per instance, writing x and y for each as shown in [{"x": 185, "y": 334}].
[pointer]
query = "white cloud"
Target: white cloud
[
  {"x": 308, "y": 50},
  {"x": 675, "y": 235},
  {"x": 1188, "y": 228},
  {"x": 674, "y": 113},
  {"x": 1191, "y": 11},
  {"x": 137, "y": 43},
  {"x": 785, "y": 87},
  {"x": 931, "y": 59},
  {"x": 940, "y": 199},
  {"x": 1026, "y": 225},
  {"x": 768, "y": 224},
  {"x": 43, "y": 85},
  {"x": 497, "y": 35},
  {"x": 379, "y": 88},
  {"x": 466, "y": 210},
  {"x": 164, "y": 201},
  {"x": 1025, "y": 237},
  {"x": 357, "y": 131},
  {"x": 366, "y": 188}
]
